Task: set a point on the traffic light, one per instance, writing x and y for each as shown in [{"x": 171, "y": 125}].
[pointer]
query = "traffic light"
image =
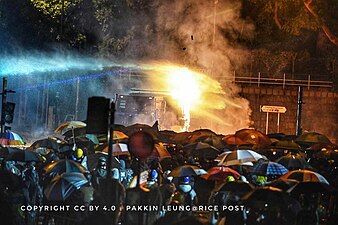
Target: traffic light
[{"x": 9, "y": 112}]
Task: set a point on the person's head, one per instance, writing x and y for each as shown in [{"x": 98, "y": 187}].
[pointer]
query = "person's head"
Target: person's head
[
  {"x": 230, "y": 179},
  {"x": 184, "y": 184},
  {"x": 78, "y": 154},
  {"x": 102, "y": 163},
  {"x": 31, "y": 164},
  {"x": 115, "y": 174},
  {"x": 152, "y": 177}
]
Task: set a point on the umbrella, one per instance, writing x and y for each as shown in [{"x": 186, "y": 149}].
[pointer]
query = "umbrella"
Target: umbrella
[
  {"x": 118, "y": 149},
  {"x": 327, "y": 154},
  {"x": 46, "y": 143},
  {"x": 215, "y": 141},
  {"x": 252, "y": 136},
  {"x": 5, "y": 151},
  {"x": 268, "y": 196},
  {"x": 62, "y": 186},
  {"x": 220, "y": 173},
  {"x": 322, "y": 146},
  {"x": 231, "y": 139},
  {"x": 24, "y": 156},
  {"x": 311, "y": 138},
  {"x": 9, "y": 180},
  {"x": 141, "y": 127},
  {"x": 11, "y": 138},
  {"x": 283, "y": 184},
  {"x": 293, "y": 161},
  {"x": 84, "y": 138},
  {"x": 304, "y": 175},
  {"x": 93, "y": 159},
  {"x": 202, "y": 150},
  {"x": 286, "y": 145},
  {"x": 268, "y": 168},
  {"x": 198, "y": 135},
  {"x": 71, "y": 125},
  {"x": 310, "y": 187},
  {"x": 180, "y": 138},
  {"x": 237, "y": 187},
  {"x": 187, "y": 170},
  {"x": 119, "y": 135},
  {"x": 64, "y": 166},
  {"x": 238, "y": 157},
  {"x": 160, "y": 152}
]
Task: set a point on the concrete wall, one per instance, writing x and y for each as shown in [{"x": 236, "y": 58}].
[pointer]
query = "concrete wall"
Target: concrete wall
[{"x": 320, "y": 109}]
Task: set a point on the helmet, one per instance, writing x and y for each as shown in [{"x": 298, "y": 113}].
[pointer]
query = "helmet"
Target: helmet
[
  {"x": 153, "y": 175},
  {"x": 184, "y": 180},
  {"x": 230, "y": 179},
  {"x": 78, "y": 153},
  {"x": 102, "y": 159}
]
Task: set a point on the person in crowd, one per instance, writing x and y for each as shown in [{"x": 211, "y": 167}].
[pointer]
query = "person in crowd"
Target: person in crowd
[
  {"x": 31, "y": 189},
  {"x": 10, "y": 166},
  {"x": 99, "y": 172},
  {"x": 78, "y": 156},
  {"x": 185, "y": 193},
  {"x": 308, "y": 215}
]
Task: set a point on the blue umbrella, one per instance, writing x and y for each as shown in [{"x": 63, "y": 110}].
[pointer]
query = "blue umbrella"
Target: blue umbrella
[{"x": 268, "y": 168}]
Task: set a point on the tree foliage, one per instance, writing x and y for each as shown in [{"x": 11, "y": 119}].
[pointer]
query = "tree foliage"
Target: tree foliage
[
  {"x": 54, "y": 8},
  {"x": 296, "y": 17}
]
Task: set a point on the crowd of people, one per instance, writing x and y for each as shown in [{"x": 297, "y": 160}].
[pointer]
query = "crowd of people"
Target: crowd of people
[{"x": 68, "y": 184}]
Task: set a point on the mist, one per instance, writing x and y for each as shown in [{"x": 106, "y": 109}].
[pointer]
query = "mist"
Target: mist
[
  {"x": 196, "y": 34},
  {"x": 202, "y": 35}
]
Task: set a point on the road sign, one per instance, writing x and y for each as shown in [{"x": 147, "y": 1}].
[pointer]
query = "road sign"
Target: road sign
[{"x": 273, "y": 109}]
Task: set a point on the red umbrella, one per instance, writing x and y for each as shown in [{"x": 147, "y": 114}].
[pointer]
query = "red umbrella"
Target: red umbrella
[
  {"x": 252, "y": 136},
  {"x": 231, "y": 139},
  {"x": 220, "y": 173}
]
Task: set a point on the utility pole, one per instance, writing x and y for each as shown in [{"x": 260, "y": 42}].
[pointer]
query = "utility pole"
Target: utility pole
[
  {"x": 3, "y": 104},
  {"x": 299, "y": 111}
]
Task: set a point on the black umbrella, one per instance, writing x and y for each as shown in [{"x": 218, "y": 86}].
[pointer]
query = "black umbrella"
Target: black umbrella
[
  {"x": 65, "y": 148},
  {"x": 293, "y": 161},
  {"x": 187, "y": 170},
  {"x": 62, "y": 186},
  {"x": 24, "y": 156},
  {"x": 46, "y": 143},
  {"x": 94, "y": 158},
  {"x": 283, "y": 184},
  {"x": 268, "y": 196},
  {"x": 202, "y": 150},
  {"x": 9, "y": 180},
  {"x": 5, "y": 151},
  {"x": 311, "y": 187},
  {"x": 237, "y": 187},
  {"x": 64, "y": 166}
]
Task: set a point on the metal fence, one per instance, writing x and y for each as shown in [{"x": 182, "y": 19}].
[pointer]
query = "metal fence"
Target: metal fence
[{"x": 284, "y": 81}]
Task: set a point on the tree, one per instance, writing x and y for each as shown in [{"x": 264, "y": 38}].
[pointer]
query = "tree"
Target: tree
[{"x": 297, "y": 17}]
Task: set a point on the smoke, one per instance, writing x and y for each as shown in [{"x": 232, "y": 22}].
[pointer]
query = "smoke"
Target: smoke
[
  {"x": 203, "y": 36},
  {"x": 198, "y": 34}
]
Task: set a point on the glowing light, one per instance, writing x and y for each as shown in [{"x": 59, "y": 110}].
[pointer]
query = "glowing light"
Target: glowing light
[{"x": 186, "y": 90}]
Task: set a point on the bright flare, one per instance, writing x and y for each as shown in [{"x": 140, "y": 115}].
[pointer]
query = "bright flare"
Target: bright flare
[{"x": 186, "y": 90}]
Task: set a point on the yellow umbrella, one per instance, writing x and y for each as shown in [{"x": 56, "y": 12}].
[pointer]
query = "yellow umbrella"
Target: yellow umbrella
[
  {"x": 118, "y": 135},
  {"x": 70, "y": 124}
]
